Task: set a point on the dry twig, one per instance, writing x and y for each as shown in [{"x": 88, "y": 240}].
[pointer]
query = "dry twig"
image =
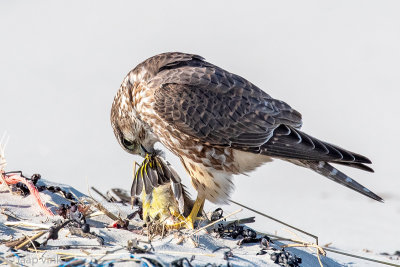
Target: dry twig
[
  {"x": 30, "y": 239},
  {"x": 274, "y": 219}
]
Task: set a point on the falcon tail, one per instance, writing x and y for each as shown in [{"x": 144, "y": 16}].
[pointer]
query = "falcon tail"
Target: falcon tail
[
  {"x": 302, "y": 149},
  {"x": 327, "y": 170}
]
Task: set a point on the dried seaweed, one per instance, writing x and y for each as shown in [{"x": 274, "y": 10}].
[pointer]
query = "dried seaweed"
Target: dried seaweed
[{"x": 86, "y": 234}]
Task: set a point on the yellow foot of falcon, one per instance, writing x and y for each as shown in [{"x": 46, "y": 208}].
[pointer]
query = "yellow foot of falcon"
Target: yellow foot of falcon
[{"x": 189, "y": 221}]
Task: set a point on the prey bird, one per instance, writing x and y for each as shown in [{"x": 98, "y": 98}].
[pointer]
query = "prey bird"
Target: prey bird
[
  {"x": 219, "y": 125},
  {"x": 164, "y": 199}
]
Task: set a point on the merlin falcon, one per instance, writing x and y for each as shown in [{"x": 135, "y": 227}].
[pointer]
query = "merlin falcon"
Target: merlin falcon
[{"x": 218, "y": 124}]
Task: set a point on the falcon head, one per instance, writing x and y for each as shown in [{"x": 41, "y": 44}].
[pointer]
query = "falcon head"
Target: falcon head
[
  {"x": 126, "y": 134},
  {"x": 130, "y": 145},
  {"x": 129, "y": 130}
]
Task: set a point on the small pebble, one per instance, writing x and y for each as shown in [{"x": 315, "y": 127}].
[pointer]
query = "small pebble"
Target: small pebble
[{"x": 85, "y": 228}]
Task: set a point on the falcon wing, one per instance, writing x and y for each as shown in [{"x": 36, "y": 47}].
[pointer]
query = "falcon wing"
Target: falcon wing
[{"x": 217, "y": 107}]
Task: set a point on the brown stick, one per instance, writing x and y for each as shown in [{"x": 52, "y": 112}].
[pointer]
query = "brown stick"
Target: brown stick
[{"x": 30, "y": 239}]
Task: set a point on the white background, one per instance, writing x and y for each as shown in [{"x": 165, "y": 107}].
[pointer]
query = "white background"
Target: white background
[{"x": 337, "y": 62}]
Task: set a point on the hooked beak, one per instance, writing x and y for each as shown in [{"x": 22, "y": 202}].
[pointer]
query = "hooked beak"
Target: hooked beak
[{"x": 143, "y": 151}]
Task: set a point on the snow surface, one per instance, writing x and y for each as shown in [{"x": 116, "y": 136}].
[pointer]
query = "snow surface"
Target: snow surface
[{"x": 166, "y": 249}]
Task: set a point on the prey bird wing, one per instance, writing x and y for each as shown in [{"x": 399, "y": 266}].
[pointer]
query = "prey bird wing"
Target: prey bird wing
[{"x": 153, "y": 172}]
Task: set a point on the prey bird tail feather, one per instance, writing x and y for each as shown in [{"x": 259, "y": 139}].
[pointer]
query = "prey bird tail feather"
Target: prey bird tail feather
[
  {"x": 177, "y": 188},
  {"x": 154, "y": 172}
]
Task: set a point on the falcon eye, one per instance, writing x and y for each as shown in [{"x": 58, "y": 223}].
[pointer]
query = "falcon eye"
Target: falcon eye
[{"x": 128, "y": 144}]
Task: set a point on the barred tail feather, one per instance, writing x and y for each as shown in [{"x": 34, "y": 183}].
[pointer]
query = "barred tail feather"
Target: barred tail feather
[{"x": 327, "y": 170}]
